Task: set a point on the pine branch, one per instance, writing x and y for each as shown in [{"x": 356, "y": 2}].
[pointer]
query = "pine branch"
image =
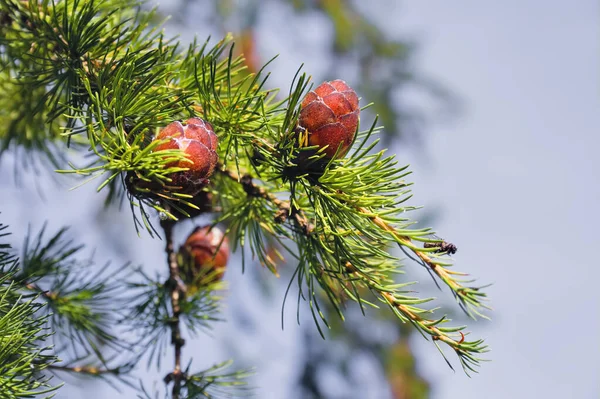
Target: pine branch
[
  {"x": 469, "y": 297},
  {"x": 402, "y": 305},
  {"x": 33, "y": 287},
  {"x": 177, "y": 289},
  {"x": 116, "y": 93},
  {"x": 284, "y": 209},
  {"x": 151, "y": 314},
  {"x": 214, "y": 383},
  {"x": 81, "y": 306},
  {"x": 83, "y": 299},
  {"x": 92, "y": 369},
  {"x": 87, "y": 370},
  {"x": 24, "y": 350},
  {"x": 253, "y": 190}
]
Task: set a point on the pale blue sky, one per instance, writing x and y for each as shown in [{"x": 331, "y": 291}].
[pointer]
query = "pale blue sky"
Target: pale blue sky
[
  {"x": 517, "y": 180},
  {"x": 515, "y": 176}
]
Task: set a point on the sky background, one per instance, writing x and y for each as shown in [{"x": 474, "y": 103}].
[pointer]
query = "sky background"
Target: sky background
[{"x": 515, "y": 178}]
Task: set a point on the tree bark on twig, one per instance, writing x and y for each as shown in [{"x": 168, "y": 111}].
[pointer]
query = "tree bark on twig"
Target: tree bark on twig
[{"x": 176, "y": 289}]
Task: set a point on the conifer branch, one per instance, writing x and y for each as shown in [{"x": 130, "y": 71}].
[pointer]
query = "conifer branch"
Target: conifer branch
[
  {"x": 254, "y": 190},
  {"x": 25, "y": 352},
  {"x": 464, "y": 349},
  {"x": 470, "y": 298},
  {"x": 116, "y": 93},
  {"x": 284, "y": 209},
  {"x": 177, "y": 289},
  {"x": 33, "y": 287},
  {"x": 215, "y": 382},
  {"x": 403, "y": 306},
  {"x": 89, "y": 370}
]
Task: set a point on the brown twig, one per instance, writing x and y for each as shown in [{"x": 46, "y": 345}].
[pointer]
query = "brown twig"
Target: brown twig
[
  {"x": 427, "y": 326},
  {"x": 470, "y": 297},
  {"x": 285, "y": 210},
  {"x": 91, "y": 370},
  {"x": 177, "y": 289},
  {"x": 424, "y": 324},
  {"x": 252, "y": 189},
  {"x": 441, "y": 271},
  {"x": 46, "y": 294}
]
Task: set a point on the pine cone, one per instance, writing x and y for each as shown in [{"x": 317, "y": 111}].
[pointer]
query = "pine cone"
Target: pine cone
[
  {"x": 198, "y": 140},
  {"x": 205, "y": 255},
  {"x": 330, "y": 116}
]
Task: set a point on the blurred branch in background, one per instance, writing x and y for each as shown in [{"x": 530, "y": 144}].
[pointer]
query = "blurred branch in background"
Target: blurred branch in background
[{"x": 355, "y": 340}]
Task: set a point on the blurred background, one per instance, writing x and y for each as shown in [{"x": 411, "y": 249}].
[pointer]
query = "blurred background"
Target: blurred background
[{"x": 495, "y": 107}]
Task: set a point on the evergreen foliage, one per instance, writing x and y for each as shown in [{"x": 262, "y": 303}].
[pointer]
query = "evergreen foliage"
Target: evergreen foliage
[
  {"x": 99, "y": 78},
  {"x": 22, "y": 328}
]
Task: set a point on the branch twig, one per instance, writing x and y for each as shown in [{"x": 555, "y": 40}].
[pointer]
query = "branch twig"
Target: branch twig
[
  {"x": 465, "y": 350},
  {"x": 403, "y": 306},
  {"x": 284, "y": 208},
  {"x": 177, "y": 289},
  {"x": 46, "y": 294},
  {"x": 469, "y": 296},
  {"x": 91, "y": 370}
]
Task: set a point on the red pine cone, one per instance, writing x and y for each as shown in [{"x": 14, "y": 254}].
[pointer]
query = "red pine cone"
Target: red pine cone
[
  {"x": 198, "y": 140},
  {"x": 330, "y": 115},
  {"x": 207, "y": 252}
]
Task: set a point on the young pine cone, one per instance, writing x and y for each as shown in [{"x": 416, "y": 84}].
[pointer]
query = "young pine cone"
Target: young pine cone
[
  {"x": 199, "y": 142},
  {"x": 329, "y": 115},
  {"x": 205, "y": 254}
]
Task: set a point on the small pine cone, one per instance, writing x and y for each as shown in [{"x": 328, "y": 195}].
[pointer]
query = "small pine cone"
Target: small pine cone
[
  {"x": 205, "y": 254},
  {"x": 330, "y": 116},
  {"x": 199, "y": 142}
]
